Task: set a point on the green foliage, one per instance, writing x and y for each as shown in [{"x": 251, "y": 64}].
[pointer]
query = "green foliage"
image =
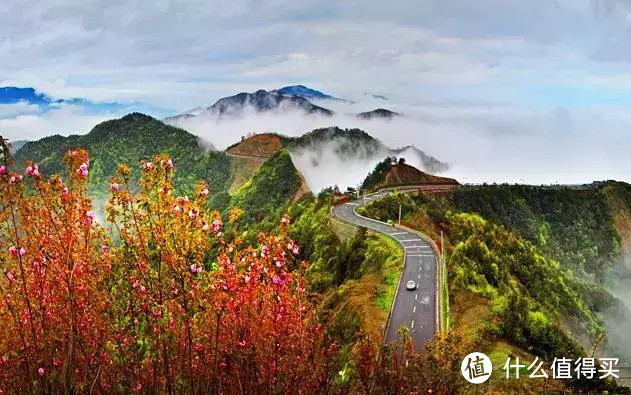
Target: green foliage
[
  {"x": 377, "y": 175},
  {"x": 387, "y": 208},
  {"x": 267, "y": 195},
  {"x": 489, "y": 260},
  {"x": 572, "y": 226},
  {"x": 131, "y": 139}
]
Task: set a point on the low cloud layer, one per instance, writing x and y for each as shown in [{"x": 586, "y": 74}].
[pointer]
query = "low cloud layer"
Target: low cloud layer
[{"x": 485, "y": 143}]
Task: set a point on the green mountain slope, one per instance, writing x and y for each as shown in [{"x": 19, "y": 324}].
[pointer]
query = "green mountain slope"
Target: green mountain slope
[
  {"x": 534, "y": 263},
  {"x": 130, "y": 139},
  {"x": 267, "y": 195}
]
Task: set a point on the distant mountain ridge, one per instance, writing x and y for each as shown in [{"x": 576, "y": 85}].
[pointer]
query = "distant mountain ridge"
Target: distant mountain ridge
[
  {"x": 378, "y": 113},
  {"x": 288, "y": 99},
  {"x": 257, "y": 102}
]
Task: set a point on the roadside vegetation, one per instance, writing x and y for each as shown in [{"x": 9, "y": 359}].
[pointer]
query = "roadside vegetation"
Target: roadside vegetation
[{"x": 532, "y": 284}]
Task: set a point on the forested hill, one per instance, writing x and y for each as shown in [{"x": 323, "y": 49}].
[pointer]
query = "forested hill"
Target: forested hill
[
  {"x": 390, "y": 173},
  {"x": 131, "y": 139}
]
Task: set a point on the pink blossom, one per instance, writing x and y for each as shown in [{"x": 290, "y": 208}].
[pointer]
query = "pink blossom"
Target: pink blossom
[
  {"x": 40, "y": 371},
  {"x": 89, "y": 216},
  {"x": 83, "y": 170},
  {"x": 204, "y": 192},
  {"x": 13, "y": 250},
  {"x": 242, "y": 343},
  {"x": 56, "y": 362},
  {"x": 206, "y": 227},
  {"x": 64, "y": 191},
  {"x": 285, "y": 220},
  {"x": 193, "y": 269},
  {"x": 3, "y": 169},
  {"x": 169, "y": 164},
  {"x": 29, "y": 170},
  {"x": 279, "y": 263},
  {"x": 10, "y": 277},
  {"x": 296, "y": 251},
  {"x": 277, "y": 280},
  {"x": 192, "y": 214},
  {"x": 104, "y": 249},
  {"x": 148, "y": 166},
  {"x": 264, "y": 251},
  {"x": 36, "y": 265},
  {"x": 176, "y": 209},
  {"x": 135, "y": 283},
  {"x": 115, "y": 187}
]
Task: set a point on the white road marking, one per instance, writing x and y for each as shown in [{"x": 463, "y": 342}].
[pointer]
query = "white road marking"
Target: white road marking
[
  {"x": 414, "y": 309},
  {"x": 398, "y": 233},
  {"x": 412, "y": 325},
  {"x": 406, "y": 241},
  {"x": 416, "y": 296}
]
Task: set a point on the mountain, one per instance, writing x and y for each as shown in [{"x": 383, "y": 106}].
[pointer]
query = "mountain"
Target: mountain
[
  {"x": 306, "y": 93},
  {"x": 355, "y": 144},
  {"x": 130, "y": 139},
  {"x": 378, "y": 113},
  {"x": 258, "y": 102},
  {"x": 389, "y": 173}
]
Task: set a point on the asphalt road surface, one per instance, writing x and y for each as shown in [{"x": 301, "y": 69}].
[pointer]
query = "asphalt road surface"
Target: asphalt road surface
[{"x": 414, "y": 308}]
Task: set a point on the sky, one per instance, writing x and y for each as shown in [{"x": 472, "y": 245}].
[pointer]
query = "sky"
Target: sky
[{"x": 523, "y": 90}]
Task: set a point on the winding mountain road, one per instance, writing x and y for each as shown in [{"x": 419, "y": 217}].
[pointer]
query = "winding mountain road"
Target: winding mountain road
[{"x": 417, "y": 309}]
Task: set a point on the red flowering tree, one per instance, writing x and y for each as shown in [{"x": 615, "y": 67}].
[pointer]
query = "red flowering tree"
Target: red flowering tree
[
  {"x": 166, "y": 306},
  {"x": 52, "y": 292}
]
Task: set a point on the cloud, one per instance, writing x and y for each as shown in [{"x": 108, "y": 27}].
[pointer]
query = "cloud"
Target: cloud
[
  {"x": 64, "y": 120},
  {"x": 535, "y": 85}
]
